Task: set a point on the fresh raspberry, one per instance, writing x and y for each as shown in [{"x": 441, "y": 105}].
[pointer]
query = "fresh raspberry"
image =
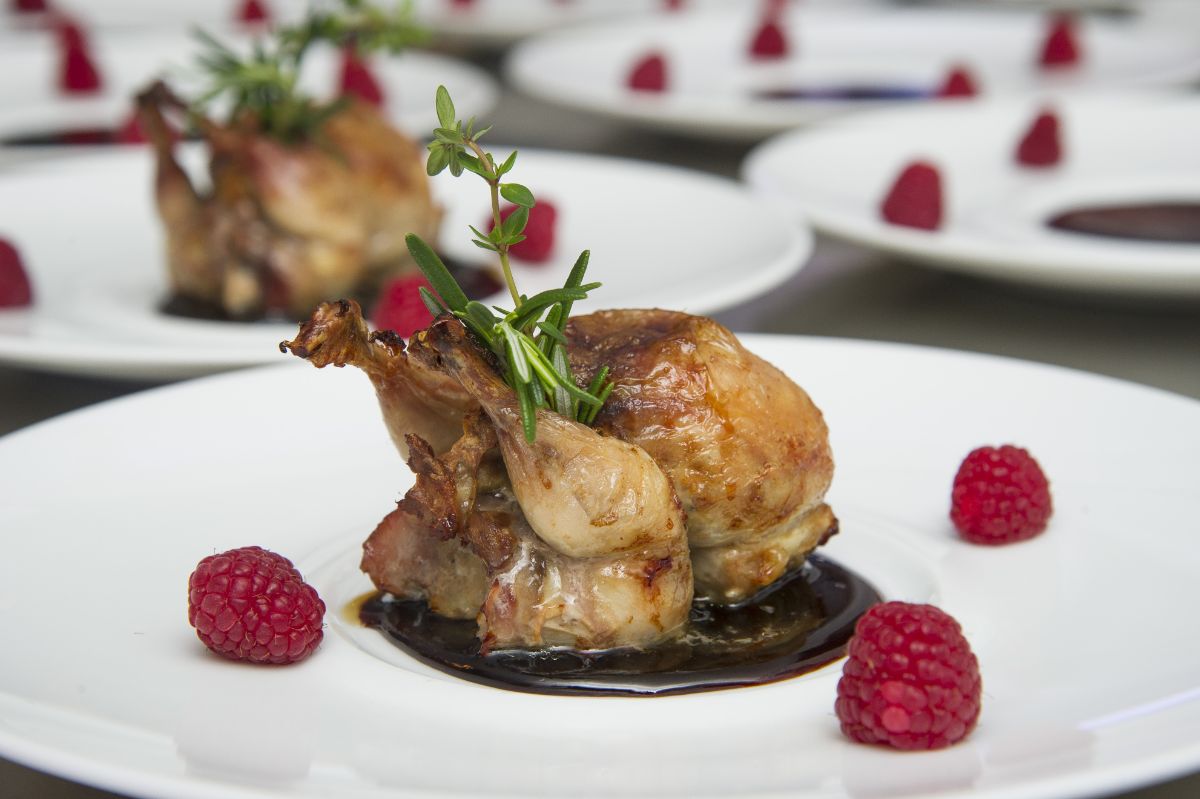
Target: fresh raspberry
[
  {"x": 958, "y": 83},
  {"x": 251, "y": 604},
  {"x": 538, "y": 245},
  {"x": 357, "y": 80},
  {"x": 649, "y": 74},
  {"x": 1061, "y": 47},
  {"x": 77, "y": 72},
  {"x": 400, "y": 307},
  {"x": 15, "y": 290},
  {"x": 1041, "y": 145},
  {"x": 911, "y": 680},
  {"x": 253, "y": 12},
  {"x": 769, "y": 41},
  {"x": 30, "y": 6},
  {"x": 1000, "y": 495},
  {"x": 131, "y": 131},
  {"x": 915, "y": 199}
]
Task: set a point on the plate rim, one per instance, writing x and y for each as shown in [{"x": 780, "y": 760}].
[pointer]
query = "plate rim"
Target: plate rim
[
  {"x": 982, "y": 257},
  {"x": 142, "y": 361},
  {"x": 749, "y": 120}
]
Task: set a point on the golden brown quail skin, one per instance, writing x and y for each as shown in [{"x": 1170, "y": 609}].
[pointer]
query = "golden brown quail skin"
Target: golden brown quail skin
[{"x": 744, "y": 446}]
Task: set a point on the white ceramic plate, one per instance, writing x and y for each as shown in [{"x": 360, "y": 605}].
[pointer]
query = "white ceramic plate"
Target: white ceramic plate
[
  {"x": 1085, "y": 635},
  {"x": 91, "y": 240},
  {"x": 1117, "y": 149},
  {"x": 128, "y": 62},
  {"x": 129, "y": 14},
  {"x": 499, "y": 23},
  {"x": 714, "y": 85}
]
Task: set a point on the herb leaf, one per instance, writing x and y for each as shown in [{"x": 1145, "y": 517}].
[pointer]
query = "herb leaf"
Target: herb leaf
[
  {"x": 436, "y": 273},
  {"x": 517, "y": 194},
  {"x": 528, "y": 340},
  {"x": 264, "y": 82}
]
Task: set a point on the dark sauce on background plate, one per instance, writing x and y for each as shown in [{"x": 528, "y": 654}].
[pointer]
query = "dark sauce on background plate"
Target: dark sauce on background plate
[
  {"x": 63, "y": 138},
  {"x": 1177, "y": 222},
  {"x": 477, "y": 283},
  {"x": 865, "y": 91},
  {"x": 70, "y": 137},
  {"x": 793, "y": 627}
]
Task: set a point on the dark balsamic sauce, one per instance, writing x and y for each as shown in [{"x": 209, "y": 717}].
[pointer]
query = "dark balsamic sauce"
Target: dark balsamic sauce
[
  {"x": 477, "y": 283},
  {"x": 795, "y": 626},
  {"x": 62, "y": 138},
  {"x": 849, "y": 92},
  {"x": 1177, "y": 222}
]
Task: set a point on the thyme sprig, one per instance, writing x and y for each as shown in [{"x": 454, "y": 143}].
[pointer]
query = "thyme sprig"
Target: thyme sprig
[
  {"x": 528, "y": 340},
  {"x": 264, "y": 81}
]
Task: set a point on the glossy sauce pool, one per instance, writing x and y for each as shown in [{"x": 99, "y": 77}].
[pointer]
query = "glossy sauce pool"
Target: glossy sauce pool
[
  {"x": 1177, "y": 222},
  {"x": 794, "y": 627}
]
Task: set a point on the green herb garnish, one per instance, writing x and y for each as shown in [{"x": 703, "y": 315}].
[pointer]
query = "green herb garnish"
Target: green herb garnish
[
  {"x": 528, "y": 340},
  {"x": 265, "y": 81}
]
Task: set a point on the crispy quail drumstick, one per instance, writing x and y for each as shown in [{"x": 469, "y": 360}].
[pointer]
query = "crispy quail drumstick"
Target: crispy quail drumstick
[{"x": 414, "y": 399}]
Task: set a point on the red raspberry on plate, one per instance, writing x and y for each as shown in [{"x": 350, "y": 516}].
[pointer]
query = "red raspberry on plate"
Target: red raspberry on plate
[
  {"x": 1000, "y": 495},
  {"x": 252, "y": 604},
  {"x": 958, "y": 83},
  {"x": 130, "y": 131},
  {"x": 253, "y": 12},
  {"x": 915, "y": 199},
  {"x": 15, "y": 290},
  {"x": 77, "y": 73},
  {"x": 1042, "y": 144},
  {"x": 357, "y": 80},
  {"x": 649, "y": 74},
  {"x": 769, "y": 40},
  {"x": 911, "y": 680},
  {"x": 538, "y": 245},
  {"x": 399, "y": 306},
  {"x": 1061, "y": 47}
]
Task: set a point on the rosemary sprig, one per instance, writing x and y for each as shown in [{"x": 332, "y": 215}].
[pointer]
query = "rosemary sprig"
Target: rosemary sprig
[
  {"x": 264, "y": 82},
  {"x": 528, "y": 340}
]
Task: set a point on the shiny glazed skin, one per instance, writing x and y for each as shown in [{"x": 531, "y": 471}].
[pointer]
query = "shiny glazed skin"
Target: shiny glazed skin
[{"x": 744, "y": 446}]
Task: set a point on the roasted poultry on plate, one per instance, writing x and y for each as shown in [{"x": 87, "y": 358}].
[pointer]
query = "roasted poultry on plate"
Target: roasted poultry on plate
[
  {"x": 286, "y": 225},
  {"x": 309, "y": 199},
  {"x": 704, "y": 475}
]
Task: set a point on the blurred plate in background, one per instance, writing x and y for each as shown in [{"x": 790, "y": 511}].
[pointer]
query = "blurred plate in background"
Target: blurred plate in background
[
  {"x": 838, "y": 62},
  {"x": 176, "y": 15},
  {"x": 1118, "y": 150},
  {"x": 92, "y": 242},
  {"x": 494, "y": 24},
  {"x": 35, "y": 108}
]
